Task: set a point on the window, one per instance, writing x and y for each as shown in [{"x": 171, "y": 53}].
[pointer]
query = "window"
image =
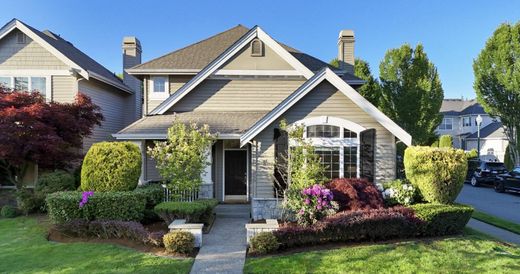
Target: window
[
  {"x": 159, "y": 84},
  {"x": 5, "y": 82},
  {"x": 337, "y": 143},
  {"x": 38, "y": 84},
  {"x": 466, "y": 121},
  {"x": 323, "y": 131},
  {"x": 350, "y": 162},
  {"x": 330, "y": 160},
  {"x": 446, "y": 124},
  {"x": 490, "y": 151},
  {"x": 159, "y": 87},
  {"x": 257, "y": 48},
  {"x": 21, "y": 83},
  {"x": 21, "y": 38}
]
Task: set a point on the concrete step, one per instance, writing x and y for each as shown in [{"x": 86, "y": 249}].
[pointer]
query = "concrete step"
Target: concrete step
[{"x": 233, "y": 211}]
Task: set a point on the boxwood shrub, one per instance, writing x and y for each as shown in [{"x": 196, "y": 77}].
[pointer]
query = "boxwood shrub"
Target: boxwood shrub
[
  {"x": 198, "y": 211},
  {"x": 182, "y": 242},
  {"x": 55, "y": 181},
  {"x": 438, "y": 173},
  {"x": 120, "y": 206},
  {"x": 111, "y": 166},
  {"x": 442, "y": 219}
]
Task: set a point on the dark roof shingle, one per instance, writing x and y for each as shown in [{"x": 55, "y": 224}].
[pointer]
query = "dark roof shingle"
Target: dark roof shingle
[{"x": 492, "y": 130}]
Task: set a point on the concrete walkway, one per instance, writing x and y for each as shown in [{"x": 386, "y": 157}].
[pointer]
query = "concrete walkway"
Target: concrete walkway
[
  {"x": 494, "y": 231},
  {"x": 224, "y": 248}
]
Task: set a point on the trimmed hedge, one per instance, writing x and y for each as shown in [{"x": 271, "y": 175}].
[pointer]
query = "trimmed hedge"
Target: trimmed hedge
[
  {"x": 441, "y": 219},
  {"x": 353, "y": 226},
  {"x": 111, "y": 166},
  {"x": 106, "y": 230},
  {"x": 263, "y": 243},
  {"x": 191, "y": 211},
  {"x": 154, "y": 194},
  {"x": 355, "y": 194},
  {"x": 438, "y": 173},
  {"x": 119, "y": 206}
]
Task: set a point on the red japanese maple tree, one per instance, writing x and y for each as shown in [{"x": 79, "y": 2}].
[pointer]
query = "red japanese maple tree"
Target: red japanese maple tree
[{"x": 49, "y": 134}]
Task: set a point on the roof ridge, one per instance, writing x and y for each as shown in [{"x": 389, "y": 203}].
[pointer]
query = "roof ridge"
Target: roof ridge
[{"x": 193, "y": 44}]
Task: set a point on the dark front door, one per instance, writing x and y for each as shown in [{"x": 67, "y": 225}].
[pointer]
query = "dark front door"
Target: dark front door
[{"x": 235, "y": 172}]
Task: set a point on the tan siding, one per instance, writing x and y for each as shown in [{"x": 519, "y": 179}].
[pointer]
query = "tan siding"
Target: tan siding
[
  {"x": 175, "y": 82},
  {"x": 112, "y": 103},
  {"x": 237, "y": 95},
  {"x": 244, "y": 61},
  {"x": 30, "y": 55},
  {"x": 323, "y": 100},
  {"x": 63, "y": 89}
]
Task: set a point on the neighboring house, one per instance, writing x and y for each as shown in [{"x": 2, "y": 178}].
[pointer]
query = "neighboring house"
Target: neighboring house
[
  {"x": 34, "y": 60},
  {"x": 459, "y": 121},
  {"x": 242, "y": 83}
]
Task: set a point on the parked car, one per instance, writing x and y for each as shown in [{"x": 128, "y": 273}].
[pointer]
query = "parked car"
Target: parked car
[
  {"x": 473, "y": 164},
  {"x": 487, "y": 173},
  {"x": 508, "y": 181}
]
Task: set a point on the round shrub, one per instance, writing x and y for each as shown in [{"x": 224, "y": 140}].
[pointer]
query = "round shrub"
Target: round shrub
[
  {"x": 438, "y": 173},
  {"x": 355, "y": 194},
  {"x": 111, "y": 166},
  {"x": 263, "y": 243},
  {"x": 181, "y": 242},
  {"x": 8, "y": 211},
  {"x": 58, "y": 180}
]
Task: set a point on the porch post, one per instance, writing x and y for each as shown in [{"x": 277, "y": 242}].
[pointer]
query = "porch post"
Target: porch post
[
  {"x": 142, "y": 147},
  {"x": 206, "y": 189}
]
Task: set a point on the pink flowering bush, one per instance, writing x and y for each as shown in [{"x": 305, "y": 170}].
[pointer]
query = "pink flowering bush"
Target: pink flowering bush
[{"x": 314, "y": 203}]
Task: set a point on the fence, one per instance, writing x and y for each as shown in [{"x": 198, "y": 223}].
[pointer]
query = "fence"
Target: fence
[{"x": 180, "y": 195}]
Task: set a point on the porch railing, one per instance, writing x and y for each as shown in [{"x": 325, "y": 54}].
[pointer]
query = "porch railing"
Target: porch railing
[{"x": 180, "y": 195}]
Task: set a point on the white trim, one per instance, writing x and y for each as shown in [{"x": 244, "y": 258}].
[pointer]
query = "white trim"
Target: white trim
[
  {"x": 224, "y": 172},
  {"x": 23, "y": 28},
  {"x": 333, "y": 121},
  {"x": 152, "y": 94},
  {"x": 257, "y": 72},
  {"x": 15, "y": 23},
  {"x": 30, "y": 74},
  {"x": 352, "y": 94},
  {"x": 255, "y": 32}
]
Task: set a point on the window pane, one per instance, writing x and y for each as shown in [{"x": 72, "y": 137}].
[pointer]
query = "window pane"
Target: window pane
[
  {"x": 350, "y": 162},
  {"x": 349, "y": 134},
  {"x": 159, "y": 84},
  {"x": 311, "y": 131},
  {"x": 38, "y": 84},
  {"x": 323, "y": 131},
  {"x": 5, "y": 82},
  {"x": 21, "y": 83},
  {"x": 330, "y": 160}
]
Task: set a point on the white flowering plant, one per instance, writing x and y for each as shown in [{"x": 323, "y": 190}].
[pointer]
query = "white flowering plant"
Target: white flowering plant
[{"x": 398, "y": 192}]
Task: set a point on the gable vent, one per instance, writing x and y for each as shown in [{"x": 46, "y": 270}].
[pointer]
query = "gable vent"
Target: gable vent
[
  {"x": 257, "y": 48},
  {"x": 21, "y": 38}
]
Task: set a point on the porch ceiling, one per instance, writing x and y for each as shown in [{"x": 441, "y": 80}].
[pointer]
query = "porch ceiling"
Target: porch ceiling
[{"x": 219, "y": 122}]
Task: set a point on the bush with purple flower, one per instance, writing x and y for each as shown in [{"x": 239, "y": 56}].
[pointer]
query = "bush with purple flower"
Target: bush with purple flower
[
  {"x": 84, "y": 198},
  {"x": 315, "y": 204}
]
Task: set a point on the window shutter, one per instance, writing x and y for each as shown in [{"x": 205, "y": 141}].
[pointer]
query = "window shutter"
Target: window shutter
[
  {"x": 281, "y": 148},
  {"x": 367, "y": 151}
]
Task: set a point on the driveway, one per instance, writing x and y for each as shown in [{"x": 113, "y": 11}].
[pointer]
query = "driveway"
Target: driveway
[{"x": 485, "y": 199}]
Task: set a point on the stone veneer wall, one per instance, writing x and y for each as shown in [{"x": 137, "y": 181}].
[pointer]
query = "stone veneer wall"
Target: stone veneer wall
[{"x": 266, "y": 208}]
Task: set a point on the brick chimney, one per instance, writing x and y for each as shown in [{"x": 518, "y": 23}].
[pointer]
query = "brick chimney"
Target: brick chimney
[
  {"x": 132, "y": 57},
  {"x": 346, "y": 50}
]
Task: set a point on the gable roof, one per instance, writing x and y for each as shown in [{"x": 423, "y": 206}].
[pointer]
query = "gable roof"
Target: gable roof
[
  {"x": 195, "y": 57},
  {"x": 458, "y": 107},
  {"x": 224, "y": 57},
  {"x": 493, "y": 130},
  {"x": 67, "y": 53},
  {"x": 342, "y": 86}
]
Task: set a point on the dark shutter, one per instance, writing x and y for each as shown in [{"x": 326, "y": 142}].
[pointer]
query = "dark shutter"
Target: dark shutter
[
  {"x": 281, "y": 146},
  {"x": 368, "y": 147}
]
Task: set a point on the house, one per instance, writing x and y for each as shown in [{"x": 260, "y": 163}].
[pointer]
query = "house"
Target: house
[
  {"x": 43, "y": 61},
  {"x": 459, "y": 121},
  {"x": 242, "y": 83}
]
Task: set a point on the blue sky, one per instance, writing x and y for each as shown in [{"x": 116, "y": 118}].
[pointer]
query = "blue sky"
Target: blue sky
[{"x": 452, "y": 32}]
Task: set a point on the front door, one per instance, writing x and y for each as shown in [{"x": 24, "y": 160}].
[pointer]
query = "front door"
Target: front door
[{"x": 235, "y": 174}]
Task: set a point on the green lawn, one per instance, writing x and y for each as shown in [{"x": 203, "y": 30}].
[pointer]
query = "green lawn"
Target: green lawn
[
  {"x": 496, "y": 221},
  {"x": 473, "y": 253},
  {"x": 24, "y": 249}
]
